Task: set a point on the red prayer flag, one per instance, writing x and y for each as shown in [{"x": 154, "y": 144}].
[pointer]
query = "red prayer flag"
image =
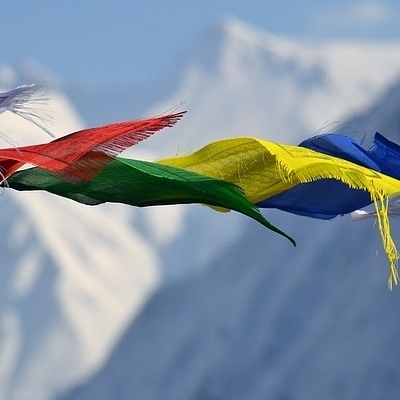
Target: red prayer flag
[{"x": 83, "y": 154}]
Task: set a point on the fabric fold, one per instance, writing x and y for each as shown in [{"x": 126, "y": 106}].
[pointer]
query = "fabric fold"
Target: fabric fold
[{"x": 264, "y": 169}]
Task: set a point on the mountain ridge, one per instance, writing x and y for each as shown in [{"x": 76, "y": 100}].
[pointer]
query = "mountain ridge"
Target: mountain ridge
[
  {"x": 57, "y": 289},
  {"x": 85, "y": 295},
  {"x": 259, "y": 319}
]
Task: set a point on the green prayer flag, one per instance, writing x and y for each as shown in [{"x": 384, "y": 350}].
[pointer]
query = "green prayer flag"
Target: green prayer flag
[{"x": 142, "y": 183}]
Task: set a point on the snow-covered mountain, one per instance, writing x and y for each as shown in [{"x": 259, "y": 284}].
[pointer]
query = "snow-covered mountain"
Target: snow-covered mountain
[
  {"x": 70, "y": 277},
  {"x": 238, "y": 81},
  {"x": 73, "y": 277},
  {"x": 258, "y": 318},
  {"x": 266, "y": 321}
]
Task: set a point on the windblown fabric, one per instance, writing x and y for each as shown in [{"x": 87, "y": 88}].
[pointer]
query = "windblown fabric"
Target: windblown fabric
[
  {"x": 24, "y": 101},
  {"x": 81, "y": 155},
  {"x": 265, "y": 169},
  {"x": 322, "y": 199},
  {"x": 393, "y": 211},
  {"x": 327, "y": 198},
  {"x": 323, "y": 177},
  {"x": 383, "y": 156},
  {"x": 142, "y": 184}
]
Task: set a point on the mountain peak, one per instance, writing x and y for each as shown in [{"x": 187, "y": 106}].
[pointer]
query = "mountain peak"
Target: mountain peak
[
  {"x": 232, "y": 32},
  {"x": 241, "y": 30}
]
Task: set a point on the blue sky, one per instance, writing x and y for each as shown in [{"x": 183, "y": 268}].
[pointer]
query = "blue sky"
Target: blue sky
[{"x": 131, "y": 43}]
